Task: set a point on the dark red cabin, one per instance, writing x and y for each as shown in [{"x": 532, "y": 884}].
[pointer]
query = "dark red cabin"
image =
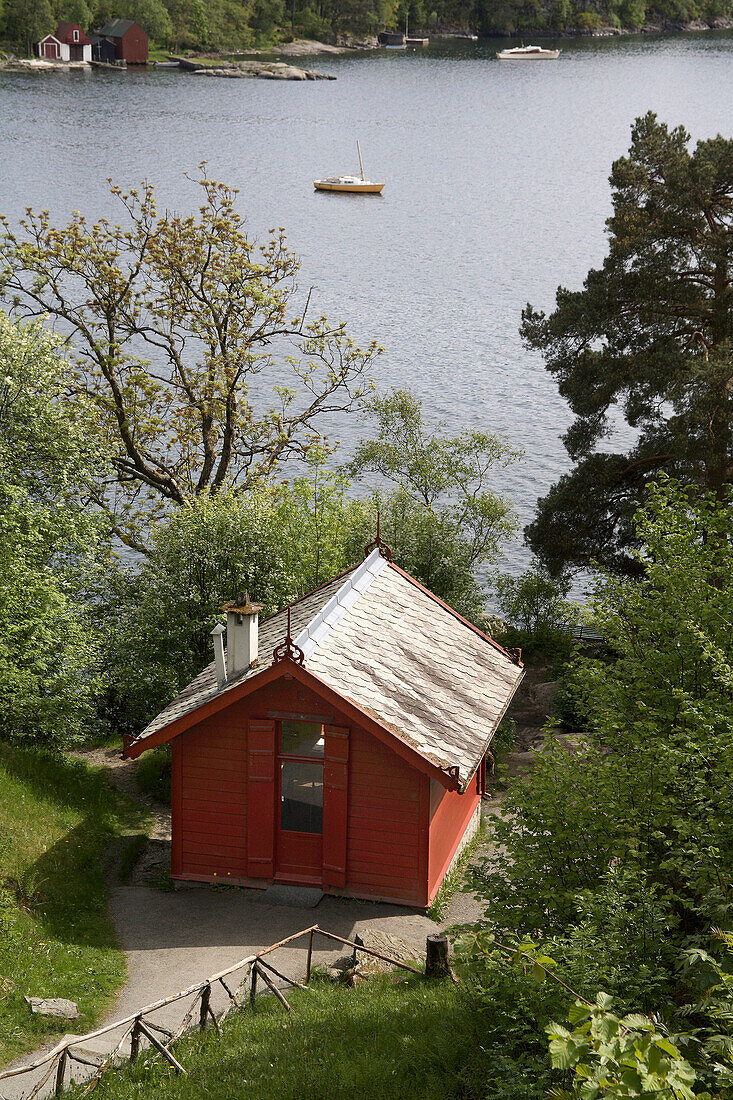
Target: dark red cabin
[
  {"x": 341, "y": 743},
  {"x": 130, "y": 41}
]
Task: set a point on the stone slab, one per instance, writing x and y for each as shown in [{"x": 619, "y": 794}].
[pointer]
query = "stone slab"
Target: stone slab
[{"x": 300, "y": 897}]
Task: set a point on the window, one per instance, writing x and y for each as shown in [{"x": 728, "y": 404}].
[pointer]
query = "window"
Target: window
[
  {"x": 301, "y": 739},
  {"x": 301, "y": 797},
  {"x": 76, "y": 36}
]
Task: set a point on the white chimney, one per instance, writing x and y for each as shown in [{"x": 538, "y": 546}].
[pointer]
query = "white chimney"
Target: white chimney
[
  {"x": 219, "y": 659},
  {"x": 242, "y": 631}
]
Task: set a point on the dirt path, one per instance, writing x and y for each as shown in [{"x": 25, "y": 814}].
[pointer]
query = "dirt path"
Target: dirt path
[{"x": 123, "y": 774}]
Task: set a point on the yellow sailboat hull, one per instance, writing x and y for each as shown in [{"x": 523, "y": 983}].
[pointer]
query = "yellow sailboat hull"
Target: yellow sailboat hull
[{"x": 349, "y": 188}]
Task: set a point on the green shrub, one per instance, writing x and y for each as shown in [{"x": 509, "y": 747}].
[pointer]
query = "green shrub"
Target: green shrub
[{"x": 153, "y": 773}]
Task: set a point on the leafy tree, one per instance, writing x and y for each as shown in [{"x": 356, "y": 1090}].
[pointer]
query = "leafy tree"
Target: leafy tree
[
  {"x": 648, "y": 337},
  {"x": 277, "y": 541},
  {"x": 74, "y": 11},
  {"x": 26, "y": 22},
  {"x": 648, "y": 788},
  {"x": 48, "y": 658},
  {"x": 205, "y": 303},
  {"x": 267, "y": 15},
  {"x": 535, "y": 603},
  {"x": 442, "y": 520},
  {"x": 151, "y": 15}
]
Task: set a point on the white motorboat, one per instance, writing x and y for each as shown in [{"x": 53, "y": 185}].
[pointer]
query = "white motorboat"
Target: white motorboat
[{"x": 528, "y": 53}]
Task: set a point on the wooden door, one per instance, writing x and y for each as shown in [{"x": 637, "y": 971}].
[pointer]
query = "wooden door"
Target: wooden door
[{"x": 299, "y": 813}]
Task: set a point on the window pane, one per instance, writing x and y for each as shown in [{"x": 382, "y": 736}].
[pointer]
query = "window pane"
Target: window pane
[
  {"x": 301, "y": 797},
  {"x": 301, "y": 739}
]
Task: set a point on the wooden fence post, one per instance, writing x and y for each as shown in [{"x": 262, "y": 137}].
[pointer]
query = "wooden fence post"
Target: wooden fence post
[
  {"x": 60, "y": 1070},
  {"x": 253, "y": 990},
  {"x": 310, "y": 958},
  {"x": 205, "y": 996},
  {"x": 135, "y": 1040},
  {"x": 437, "y": 964},
  {"x": 161, "y": 1049}
]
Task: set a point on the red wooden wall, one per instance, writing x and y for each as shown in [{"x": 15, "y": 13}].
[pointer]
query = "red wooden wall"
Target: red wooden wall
[
  {"x": 451, "y": 814},
  {"x": 387, "y": 833},
  {"x": 379, "y": 839},
  {"x": 132, "y": 47},
  {"x": 209, "y": 798}
]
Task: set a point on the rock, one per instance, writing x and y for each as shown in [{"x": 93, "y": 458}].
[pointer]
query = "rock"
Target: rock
[
  {"x": 53, "y": 1006},
  {"x": 276, "y": 71},
  {"x": 545, "y": 695},
  {"x": 386, "y": 944}
]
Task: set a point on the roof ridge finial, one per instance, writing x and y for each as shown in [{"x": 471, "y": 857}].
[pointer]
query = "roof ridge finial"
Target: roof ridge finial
[
  {"x": 288, "y": 650},
  {"x": 379, "y": 543}
]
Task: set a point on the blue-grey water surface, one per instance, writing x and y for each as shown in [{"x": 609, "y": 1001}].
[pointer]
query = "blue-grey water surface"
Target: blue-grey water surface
[{"x": 496, "y": 192}]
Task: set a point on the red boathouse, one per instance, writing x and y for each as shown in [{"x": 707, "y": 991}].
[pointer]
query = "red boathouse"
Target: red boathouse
[
  {"x": 130, "y": 41},
  {"x": 341, "y": 743}
]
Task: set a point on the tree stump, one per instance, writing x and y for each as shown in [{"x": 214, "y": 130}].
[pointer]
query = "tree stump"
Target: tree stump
[{"x": 437, "y": 958}]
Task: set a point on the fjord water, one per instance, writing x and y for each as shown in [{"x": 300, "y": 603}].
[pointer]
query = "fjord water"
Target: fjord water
[{"x": 496, "y": 192}]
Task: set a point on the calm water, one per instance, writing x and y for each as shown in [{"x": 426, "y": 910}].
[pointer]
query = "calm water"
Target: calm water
[{"x": 496, "y": 192}]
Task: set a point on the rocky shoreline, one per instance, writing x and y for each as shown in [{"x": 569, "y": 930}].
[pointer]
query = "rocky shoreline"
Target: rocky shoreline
[{"x": 257, "y": 70}]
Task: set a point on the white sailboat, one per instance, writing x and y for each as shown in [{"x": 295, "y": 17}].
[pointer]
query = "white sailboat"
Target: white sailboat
[{"x": 356, "y": 185}]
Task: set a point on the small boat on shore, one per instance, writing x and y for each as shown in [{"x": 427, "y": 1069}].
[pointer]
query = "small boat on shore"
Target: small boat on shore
[
  {"x": 354, "y": 185},
  {"x": 528, "y": 53}
]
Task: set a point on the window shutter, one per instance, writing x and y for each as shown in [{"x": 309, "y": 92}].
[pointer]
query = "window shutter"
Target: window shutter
[
  {"x": 335, "y": 804},
  {"x": 260, "y": 798}
]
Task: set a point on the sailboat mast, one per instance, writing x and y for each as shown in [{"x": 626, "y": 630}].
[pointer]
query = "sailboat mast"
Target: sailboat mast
[{"x": 358, "y": 149}]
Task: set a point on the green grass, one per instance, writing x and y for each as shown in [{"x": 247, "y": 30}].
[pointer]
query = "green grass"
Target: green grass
[
  {"x": 58, "y": 820},
  {"x": 388, "y": 1039}
]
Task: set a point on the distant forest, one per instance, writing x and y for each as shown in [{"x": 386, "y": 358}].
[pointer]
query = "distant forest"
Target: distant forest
[{"x": 236, "y": 24}]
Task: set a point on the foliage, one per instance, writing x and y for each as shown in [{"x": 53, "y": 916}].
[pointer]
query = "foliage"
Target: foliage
[
  {"x": 536, "y": 610},
  {"x": 153, "y": 773},
  {"x": 57, "y": 820},
  {"x": 48, "y": 546},
  {"x": 573, "y": 704},
  {"x": 709, "y": 1015},
  {"x": 618, "y": 1057},
  {"x": 442, "y": 521},
  {"x": 205, "y": 302},
  {"x": 619, "y": 843},
  {"x": 277, "y": 542},
  {"x": 647, "y": 338}
]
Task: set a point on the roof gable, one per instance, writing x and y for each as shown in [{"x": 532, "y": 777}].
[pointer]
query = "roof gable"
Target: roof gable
[
  {"x": 116, "y": 28},
  {"x": 65, "y": 33},
  {"x": 388, "y": 647}
]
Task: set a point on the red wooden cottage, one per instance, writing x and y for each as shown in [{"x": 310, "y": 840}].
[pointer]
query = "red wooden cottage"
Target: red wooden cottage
[
  {"x": 129, "y": 40},
  {"x": 351, "y": 756}
]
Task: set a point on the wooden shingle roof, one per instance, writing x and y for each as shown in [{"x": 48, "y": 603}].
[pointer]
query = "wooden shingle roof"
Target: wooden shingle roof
[{"x": 389, "y": 646}]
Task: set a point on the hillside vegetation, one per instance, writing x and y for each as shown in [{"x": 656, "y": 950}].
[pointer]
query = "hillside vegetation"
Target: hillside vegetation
[
  {"x": 57, "y": 821},
  {"x": 243, "y": 24}
]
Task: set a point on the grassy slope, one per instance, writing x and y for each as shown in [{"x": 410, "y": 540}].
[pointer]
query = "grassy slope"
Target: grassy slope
[
  {"x": 388, "y": 1039},
  {"x": 57, "y": 820}
]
